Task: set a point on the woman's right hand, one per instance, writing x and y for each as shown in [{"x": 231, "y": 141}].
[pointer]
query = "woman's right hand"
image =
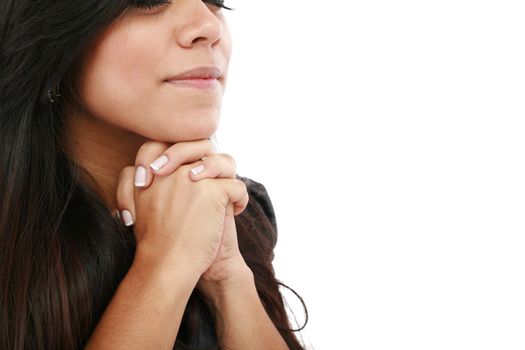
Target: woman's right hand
[{"x": 178, "y": 221}]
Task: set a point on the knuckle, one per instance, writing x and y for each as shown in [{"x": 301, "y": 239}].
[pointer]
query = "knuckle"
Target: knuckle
[
  {"x": 230, "y": 159},
  {"x": 149, "y": 148},
  {"x": 126, "y": 173},
  {"x": 143, "y": 149},
  {"x": 121, "y": 201},
  {"x": 184, "y": 169},
  {"x": 241, "y": 184},
  {"x": 182, "y": 172},
  {"x": 125, "y": 182}
]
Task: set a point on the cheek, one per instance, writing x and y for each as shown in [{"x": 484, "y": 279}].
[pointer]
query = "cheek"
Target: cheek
[{"x": 118, "y": 73}]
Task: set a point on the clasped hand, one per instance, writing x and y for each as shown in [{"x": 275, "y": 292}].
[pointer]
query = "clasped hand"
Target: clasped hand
[{"x": 181, "y": 200}]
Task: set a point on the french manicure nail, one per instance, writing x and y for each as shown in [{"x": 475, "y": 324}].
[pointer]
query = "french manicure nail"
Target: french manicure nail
[
  {"x": 197, "y": 170},
  {"x": 214, "y": 142},
  {"x": 159, "y": 162},
  {"x": 140, "y": 176},
  {"x": 116, "y": 214},
  {"x": 127, "y": 217}
]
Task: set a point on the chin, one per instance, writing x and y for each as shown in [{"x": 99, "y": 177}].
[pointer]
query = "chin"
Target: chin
[
  {"x": 203, "y": 133},
  {"x": 200, "y": 128},
  {"x": 183, "y": 125},
  {"x": 195, "y": 132}
]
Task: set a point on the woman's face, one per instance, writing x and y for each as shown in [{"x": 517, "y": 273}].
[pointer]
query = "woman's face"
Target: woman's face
[{"x": 123, "y": 77}]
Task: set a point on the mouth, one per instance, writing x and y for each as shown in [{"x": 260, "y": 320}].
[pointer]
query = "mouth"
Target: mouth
[
  {"x": 204, "y": 77},
  {"x": 200, "y": 83}
]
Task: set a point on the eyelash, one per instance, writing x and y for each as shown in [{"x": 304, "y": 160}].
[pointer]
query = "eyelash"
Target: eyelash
[{"x": 156, "y": 3}]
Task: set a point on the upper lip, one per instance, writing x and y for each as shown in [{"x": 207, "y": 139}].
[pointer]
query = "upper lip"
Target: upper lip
[{"x": 205, "y": 72}]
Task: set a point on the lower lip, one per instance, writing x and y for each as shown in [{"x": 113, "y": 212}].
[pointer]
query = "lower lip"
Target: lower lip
[{"x": 196, "y": 83}]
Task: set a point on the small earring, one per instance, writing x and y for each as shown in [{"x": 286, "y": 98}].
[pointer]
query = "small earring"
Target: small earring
[{"x": 52, "y": 94}]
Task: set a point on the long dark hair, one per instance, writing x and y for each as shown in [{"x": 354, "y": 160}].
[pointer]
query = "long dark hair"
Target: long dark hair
[{"x": 62, "y": 253}]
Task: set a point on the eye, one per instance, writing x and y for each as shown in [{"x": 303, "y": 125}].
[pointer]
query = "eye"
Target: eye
[
  {"x": 217, "y": 3},
  {"x": 149, "y": 4}
]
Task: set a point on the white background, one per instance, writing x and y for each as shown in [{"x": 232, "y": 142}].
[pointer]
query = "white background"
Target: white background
[{"x": 390, "y": 136}]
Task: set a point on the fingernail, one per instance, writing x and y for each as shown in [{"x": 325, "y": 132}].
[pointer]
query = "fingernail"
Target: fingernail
[
  {"x": 159, "y": 162},
  {"x": 116, "y": 214},
  {"x": 126, "y": 216},
  {"x": 140, "y": 176},
  {"x": 197, "y": 170},
  {"x": 215, "y": 143}
]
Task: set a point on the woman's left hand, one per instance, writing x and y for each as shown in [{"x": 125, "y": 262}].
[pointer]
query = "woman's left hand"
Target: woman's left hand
[{"x": 229, "y": 267}]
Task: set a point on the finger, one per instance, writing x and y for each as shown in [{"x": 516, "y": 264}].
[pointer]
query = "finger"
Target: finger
[
  {"x": 125, "y": 195},
  {"x": 146, "y": 154},
  {"x": 237, "y": 194},
  {"x": 219, "y": 165},
  {"x": 181, "y": 153}
]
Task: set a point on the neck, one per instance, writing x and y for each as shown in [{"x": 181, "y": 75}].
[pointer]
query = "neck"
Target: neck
[{"x": 102, "y": 150}]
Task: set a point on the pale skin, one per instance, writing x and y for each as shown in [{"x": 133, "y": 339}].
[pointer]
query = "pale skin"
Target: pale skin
[{"x": 128, "y": 117}]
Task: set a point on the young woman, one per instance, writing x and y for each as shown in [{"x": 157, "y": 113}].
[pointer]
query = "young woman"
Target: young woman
[{"x": 121, "y": 226}]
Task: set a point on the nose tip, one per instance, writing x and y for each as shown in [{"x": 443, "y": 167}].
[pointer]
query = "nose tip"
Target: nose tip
[
  {"x": 204, "y": 27},
  {"x": 211, "y": 33}
]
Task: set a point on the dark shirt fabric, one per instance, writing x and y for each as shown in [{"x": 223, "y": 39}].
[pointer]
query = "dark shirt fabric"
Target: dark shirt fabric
[{"x": 258, "y": 196}]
